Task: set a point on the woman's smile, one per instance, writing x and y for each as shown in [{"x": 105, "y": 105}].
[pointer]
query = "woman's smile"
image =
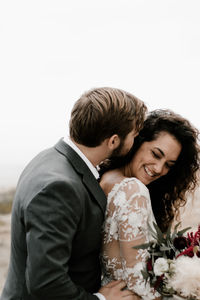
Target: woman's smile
[
  {"x": 149, "y": 172},
  {"x": 155, "y": 158}
]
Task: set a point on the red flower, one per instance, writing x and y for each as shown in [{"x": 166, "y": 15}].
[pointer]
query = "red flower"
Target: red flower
[
  {"x": 149, "y": 265},
  {"x": 180, "y": 242},
  {"x": 188, "y": 252},
  {"x": 158, "y": 281},
  {"x": 194, "y": 239}
]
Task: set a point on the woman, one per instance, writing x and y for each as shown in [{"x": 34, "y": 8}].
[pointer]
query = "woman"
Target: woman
[{"x": 161, "y": 166}]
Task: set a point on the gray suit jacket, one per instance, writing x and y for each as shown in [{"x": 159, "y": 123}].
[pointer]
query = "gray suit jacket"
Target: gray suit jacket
[{"x": 57, "y": 217}]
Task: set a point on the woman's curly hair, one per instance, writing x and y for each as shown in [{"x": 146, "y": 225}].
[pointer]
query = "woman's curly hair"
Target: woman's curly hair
[{"x": 168, "y": 192}]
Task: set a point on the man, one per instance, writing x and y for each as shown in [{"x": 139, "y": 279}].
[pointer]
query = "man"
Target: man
[{"x": 58, "y": 210}]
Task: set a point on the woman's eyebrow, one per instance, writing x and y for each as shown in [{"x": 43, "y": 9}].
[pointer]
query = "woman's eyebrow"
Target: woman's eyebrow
[{"x": 163, "y": 154}]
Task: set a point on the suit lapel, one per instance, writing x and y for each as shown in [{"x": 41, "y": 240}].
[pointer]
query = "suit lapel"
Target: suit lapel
[{"x": 88, "y": 178}]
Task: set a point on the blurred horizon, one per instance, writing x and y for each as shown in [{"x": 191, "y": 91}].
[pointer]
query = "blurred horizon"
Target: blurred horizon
[{"x": 11, "y": 174}]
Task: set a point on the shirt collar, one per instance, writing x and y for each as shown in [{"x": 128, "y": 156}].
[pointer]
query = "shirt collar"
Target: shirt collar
[{"x": 84, "y": 158}]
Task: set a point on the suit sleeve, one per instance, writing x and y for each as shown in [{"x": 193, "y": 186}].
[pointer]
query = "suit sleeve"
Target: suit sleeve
[{"x": 51, "y": 221}]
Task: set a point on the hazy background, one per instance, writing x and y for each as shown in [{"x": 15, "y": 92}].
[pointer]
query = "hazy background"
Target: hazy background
[{"x": 53, "y": 51}]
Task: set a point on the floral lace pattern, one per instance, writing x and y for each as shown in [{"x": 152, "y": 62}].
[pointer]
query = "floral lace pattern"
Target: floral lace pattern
[{"x": 127, "y": 215}]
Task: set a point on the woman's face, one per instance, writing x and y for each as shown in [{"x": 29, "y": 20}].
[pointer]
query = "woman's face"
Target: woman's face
[{"x": 155, "y": 158}]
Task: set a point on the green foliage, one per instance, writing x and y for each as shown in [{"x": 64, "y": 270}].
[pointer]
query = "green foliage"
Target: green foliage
[{"x": 163, "y": 245}]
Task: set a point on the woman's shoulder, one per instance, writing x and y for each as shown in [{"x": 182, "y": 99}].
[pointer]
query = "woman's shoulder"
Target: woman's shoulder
[
  {"x": 130, "y": 191},
  {"x": 113, "y": 182},
  {"x": 110, "y": 179},
  {"x": 132, "y": 185}
]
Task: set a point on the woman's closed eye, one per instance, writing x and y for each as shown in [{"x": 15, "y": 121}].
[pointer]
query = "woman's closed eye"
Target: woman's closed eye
[
  {"x": 156, "y": 155},
  {"x": 169, "y": 166}
]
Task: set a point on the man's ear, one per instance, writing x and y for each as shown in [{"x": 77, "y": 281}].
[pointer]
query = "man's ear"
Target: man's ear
[{"x": 113, "y": 142}]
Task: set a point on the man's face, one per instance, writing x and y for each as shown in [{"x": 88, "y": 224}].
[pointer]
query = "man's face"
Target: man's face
[{"x": 125, "y": 145}]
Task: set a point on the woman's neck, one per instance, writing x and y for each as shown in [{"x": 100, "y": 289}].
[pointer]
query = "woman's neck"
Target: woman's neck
[{"x": 126, "y": 171}]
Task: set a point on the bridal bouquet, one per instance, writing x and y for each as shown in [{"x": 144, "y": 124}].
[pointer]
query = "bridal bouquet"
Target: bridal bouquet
[{"x": 173, "y": 265}]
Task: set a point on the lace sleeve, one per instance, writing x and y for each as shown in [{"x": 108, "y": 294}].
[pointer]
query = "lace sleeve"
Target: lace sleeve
[{"x": 132, "y": 220}]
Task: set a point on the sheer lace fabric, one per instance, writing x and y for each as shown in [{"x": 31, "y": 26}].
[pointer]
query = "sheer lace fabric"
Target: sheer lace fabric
[{"x": 127, "y": 215}]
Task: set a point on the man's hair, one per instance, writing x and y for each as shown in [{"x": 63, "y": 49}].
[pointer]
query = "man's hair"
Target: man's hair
[{"x": 102, "y": 112}]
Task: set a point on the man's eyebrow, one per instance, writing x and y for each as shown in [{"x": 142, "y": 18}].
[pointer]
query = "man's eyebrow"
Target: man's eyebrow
[{"x": 163, "y": 154}]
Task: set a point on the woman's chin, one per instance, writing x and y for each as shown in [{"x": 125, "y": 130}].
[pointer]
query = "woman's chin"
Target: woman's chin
[{"x": 146, "y": 180}]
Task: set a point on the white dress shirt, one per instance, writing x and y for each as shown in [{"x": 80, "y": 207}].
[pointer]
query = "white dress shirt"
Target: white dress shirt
[
  {"x": 94, "y": 172},
  {"x": 84, "y": 158}
]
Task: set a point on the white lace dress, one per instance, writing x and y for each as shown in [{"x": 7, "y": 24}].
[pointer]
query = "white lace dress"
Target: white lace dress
[{"x": 127, "y": 215}]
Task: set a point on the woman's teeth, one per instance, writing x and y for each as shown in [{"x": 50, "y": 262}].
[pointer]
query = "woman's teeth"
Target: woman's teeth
[{"x": 148, "y": 172}]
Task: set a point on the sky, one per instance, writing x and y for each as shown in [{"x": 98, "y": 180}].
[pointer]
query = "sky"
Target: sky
[{"x": 51, "y": 51}]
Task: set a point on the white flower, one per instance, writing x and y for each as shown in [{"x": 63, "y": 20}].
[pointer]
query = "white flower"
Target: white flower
[
  {"x": 160, "y": 266},
  {"x": 186, "y": 279}
]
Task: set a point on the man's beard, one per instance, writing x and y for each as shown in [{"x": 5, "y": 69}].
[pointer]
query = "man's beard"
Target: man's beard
[{"x": 118, "y": 152}]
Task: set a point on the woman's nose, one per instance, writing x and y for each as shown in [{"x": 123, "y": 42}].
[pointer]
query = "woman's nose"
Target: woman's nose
[{"x": 158, "y": 167}]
